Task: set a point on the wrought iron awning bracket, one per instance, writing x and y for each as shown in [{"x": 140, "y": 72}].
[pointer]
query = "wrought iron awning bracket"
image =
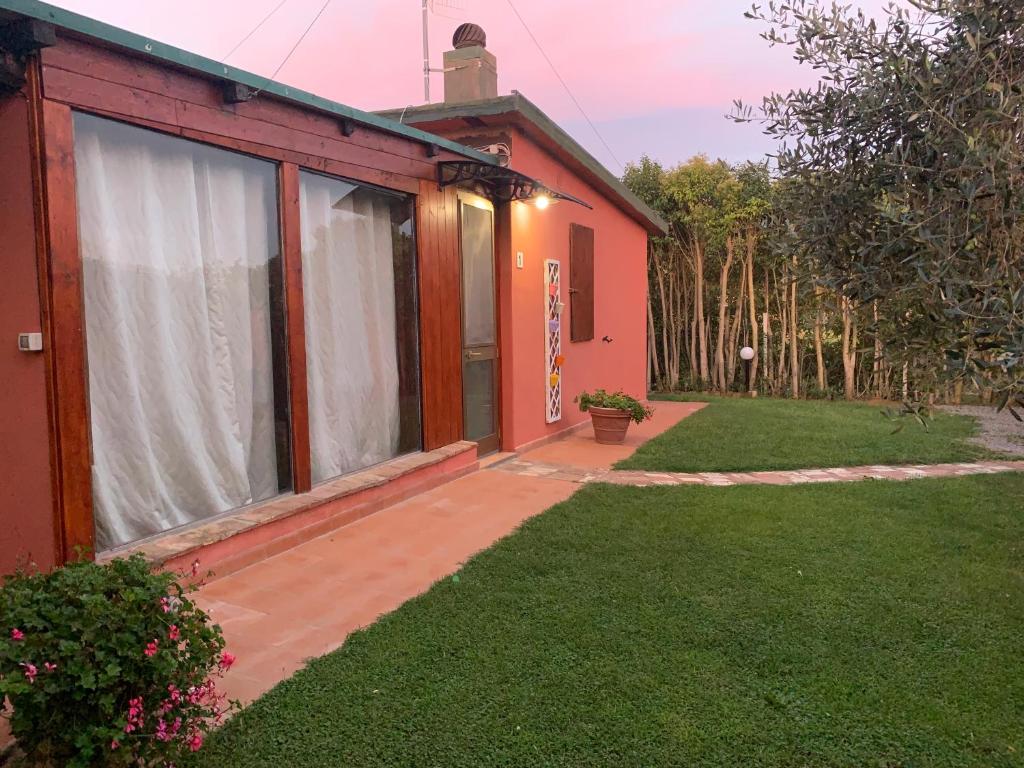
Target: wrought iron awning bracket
[{"x": 502, "y": 184}]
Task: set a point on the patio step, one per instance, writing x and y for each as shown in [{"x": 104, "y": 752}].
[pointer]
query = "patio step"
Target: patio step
[{"x": 230, "y": 542}]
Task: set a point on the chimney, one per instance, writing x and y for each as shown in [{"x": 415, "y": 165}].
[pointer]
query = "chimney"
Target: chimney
[{"x": 470, "y": 70}]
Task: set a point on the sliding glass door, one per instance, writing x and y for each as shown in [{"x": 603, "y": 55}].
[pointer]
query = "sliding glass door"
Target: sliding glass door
[
  {"x": 184, "y": 328},
  {"x": 359, "y": 292}
]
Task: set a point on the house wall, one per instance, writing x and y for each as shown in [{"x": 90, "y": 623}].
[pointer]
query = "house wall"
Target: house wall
[
  {"x": 27, "y": 532},
  {"x": 620, "y": 301}
]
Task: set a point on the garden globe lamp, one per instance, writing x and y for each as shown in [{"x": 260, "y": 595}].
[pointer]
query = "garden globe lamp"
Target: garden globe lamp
[{"x": 747, "y": 354}]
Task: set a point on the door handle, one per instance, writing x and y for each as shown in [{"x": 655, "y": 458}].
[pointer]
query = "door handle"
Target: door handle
[{"x": 472, "y": 354}]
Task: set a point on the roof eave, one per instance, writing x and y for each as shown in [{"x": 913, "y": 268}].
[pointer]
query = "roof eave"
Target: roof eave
[
  {"x": 85, "y": 26},
  {"x": 527, "y": 110}
]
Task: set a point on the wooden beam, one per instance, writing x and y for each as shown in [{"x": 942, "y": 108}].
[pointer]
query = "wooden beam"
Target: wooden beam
[
  {"x": 67, "y": 332},
  {"x": 236, "y": 93},
  {"x": 27, "y": 35},
  {"x": 291, "y": 248}
]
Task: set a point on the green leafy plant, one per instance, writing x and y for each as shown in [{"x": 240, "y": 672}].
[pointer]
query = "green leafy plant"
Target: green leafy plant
[
  {"x": 620, "y": 401},
  {"x": 108, "y": 665}
]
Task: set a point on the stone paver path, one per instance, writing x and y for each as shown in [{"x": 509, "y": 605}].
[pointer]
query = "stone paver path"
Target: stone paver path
[{"x": 525, "y": 467}]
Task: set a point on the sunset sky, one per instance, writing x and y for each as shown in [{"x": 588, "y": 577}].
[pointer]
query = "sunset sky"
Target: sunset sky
[{"x": 655, "y": 76}]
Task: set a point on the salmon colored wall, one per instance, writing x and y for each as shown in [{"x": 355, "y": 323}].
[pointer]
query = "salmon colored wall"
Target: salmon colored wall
[
  {"x": 620, "y": 301},
  {"x": 27, "y": 524}
]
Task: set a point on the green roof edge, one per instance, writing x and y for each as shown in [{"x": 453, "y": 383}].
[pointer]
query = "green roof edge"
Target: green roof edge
[
  {"x": 516, "y": 102},
  {"x": 108, "y": 33}
]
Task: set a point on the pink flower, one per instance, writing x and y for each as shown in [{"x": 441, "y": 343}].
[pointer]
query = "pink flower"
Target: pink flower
[
  {"x": 152, "y": 647},
  {"x": 195, "y": 567},
  {"x": 135, "y": 715},
  {"x": 115, "y": 744},
  {"x": 165, "y": 604},
  {"x": 226, "y": 660},
  {"x": 49, "y": 667},
  {"x": 175, "y": 694},
  {"x": 30, "y": 671},
  {"x": 195, "y": 741},
  {"x": 161, "y": 731},
  {"x": 173, "y": 633},
  {"x": 17, "y": 634}
]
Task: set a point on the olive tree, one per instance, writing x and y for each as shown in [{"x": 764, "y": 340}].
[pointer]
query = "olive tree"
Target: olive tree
[{"x": 906, "y": 164}]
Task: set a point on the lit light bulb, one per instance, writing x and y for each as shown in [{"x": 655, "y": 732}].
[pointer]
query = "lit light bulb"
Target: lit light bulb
[{"x": 542, "y": 202}]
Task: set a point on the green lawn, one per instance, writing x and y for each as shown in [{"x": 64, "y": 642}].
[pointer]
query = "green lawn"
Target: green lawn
[
  {"x": 862, "y": 624},
  {"x": 737, "y": 435}
]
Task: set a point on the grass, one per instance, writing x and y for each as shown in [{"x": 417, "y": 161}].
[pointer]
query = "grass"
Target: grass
[
  {"x": 738, "y": 435},
  {"x": 870, "y": 623}
]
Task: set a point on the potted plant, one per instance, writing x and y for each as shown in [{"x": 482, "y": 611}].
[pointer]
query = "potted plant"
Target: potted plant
[{"x": 611, "y": 413}]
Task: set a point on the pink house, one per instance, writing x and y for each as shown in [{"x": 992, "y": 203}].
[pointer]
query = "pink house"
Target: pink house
[
  {"x": 585, "y": 226},
  {"x": 240, "y": 315}
]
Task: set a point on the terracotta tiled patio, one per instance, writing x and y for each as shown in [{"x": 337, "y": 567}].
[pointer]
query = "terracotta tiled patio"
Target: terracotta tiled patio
[{"x": 302, "y": 603}]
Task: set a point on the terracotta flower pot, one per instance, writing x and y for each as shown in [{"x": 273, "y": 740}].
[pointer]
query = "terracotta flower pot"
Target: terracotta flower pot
[{"x": 610, "y": 425}]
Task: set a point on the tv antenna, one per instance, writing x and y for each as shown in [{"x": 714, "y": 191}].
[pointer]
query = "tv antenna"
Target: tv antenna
[{"x": 431, "y": 6}]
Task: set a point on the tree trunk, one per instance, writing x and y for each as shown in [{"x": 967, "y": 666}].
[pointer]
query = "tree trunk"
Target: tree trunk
[
  {"x": 653, "y": 368},
  {"x": 849, "y": 350},
  {"x": 666, "y": 326},
  {"x": 698, "y": 291},
  {"x": 723, "y": 312},
  {"x": 734, "y": 330},
  {"x": 794, "y": 351},
  {"x": 876, "y": 364},
  {"x": 752, "y": 304},
  {"x": 819, "y": 356}
]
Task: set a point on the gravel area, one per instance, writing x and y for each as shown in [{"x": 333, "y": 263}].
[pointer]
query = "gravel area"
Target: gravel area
[{"x": 998, "y": 430}]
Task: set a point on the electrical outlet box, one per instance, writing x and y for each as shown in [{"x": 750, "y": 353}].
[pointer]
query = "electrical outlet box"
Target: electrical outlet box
[
  {"x": 519, "y": 259},
  {"x": 30, "y": 342}
]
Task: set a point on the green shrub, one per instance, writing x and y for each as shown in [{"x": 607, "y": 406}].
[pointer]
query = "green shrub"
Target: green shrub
[
  {"x": 638, "y": 412},
  {"x": 108, "y": 665}
]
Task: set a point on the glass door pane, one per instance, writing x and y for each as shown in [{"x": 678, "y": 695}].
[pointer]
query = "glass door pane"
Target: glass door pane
[{"x": 479, "y": 326}]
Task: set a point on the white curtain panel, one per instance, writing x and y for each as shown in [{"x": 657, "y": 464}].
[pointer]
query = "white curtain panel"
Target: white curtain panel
[
  {"x": 175, "y": 241},
  {"x": 348, "y": 284}
]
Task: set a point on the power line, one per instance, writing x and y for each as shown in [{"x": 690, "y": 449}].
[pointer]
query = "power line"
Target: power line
[
  {"x": 255, "y": 29},
  {"x": 299, "y": 41},
  {"x": 564, "y": 84}
]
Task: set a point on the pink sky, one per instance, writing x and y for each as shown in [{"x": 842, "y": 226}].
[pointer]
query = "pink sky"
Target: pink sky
[{"x": 656, "y": 76}]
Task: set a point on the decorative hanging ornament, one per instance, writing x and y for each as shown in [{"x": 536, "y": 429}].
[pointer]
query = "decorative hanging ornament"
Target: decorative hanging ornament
[
  {"x": 559, "y": 359},
  {"x": 553, "y": 378}
]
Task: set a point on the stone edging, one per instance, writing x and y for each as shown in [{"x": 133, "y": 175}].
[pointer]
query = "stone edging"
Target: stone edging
[{"x": 775, "y": 477}]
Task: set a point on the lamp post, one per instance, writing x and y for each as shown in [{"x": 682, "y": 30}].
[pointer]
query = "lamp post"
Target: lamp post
[{"x": 747, "y": 353}]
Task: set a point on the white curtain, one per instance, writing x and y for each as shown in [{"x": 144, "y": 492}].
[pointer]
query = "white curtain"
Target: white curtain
[
  {"x": 348, "y": 283},
  {"x": 175, "y": 241}
]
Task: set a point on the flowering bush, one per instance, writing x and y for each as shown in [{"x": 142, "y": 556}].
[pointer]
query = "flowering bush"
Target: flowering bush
[{"x": 108, "y": 665}]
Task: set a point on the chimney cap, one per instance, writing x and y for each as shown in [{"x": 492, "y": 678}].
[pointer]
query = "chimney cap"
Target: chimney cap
[{"x": 468, "y": 35}]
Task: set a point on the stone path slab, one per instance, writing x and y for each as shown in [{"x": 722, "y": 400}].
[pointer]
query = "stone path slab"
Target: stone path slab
[{"x": 528, "y": 468}]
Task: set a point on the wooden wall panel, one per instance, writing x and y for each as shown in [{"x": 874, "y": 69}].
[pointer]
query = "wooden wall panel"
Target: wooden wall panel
[
  {"x": 437, "y": 234},
  {"x": 67, "y": 330}
]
